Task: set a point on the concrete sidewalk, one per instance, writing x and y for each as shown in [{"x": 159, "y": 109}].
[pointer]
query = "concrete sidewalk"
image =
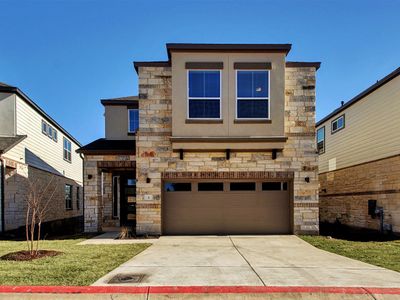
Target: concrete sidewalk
[{"x": 247, "y": 261}]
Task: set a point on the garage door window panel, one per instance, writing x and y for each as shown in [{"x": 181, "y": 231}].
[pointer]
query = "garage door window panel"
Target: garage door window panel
[
  {"x": 178, "y": 187},
  {"x": 210, "y": 187},
  {"x": 242, "y": 186},
  {"x": 274, "y": 186}
]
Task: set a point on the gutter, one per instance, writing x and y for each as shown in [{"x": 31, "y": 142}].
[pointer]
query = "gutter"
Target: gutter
[
  {"x": 83, "y": 190},
  {"x": 2, "y": 194}
]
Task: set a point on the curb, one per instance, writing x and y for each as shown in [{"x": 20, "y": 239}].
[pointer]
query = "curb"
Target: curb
[{"x": 196, "y": 290}]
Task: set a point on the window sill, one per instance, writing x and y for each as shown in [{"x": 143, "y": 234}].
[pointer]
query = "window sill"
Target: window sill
[
  {"x": 68, "y": 209},
  {"x": 204, "y": 121},
  {"x": 131, "y": 133},
  {"x": 250, "y": 121}
]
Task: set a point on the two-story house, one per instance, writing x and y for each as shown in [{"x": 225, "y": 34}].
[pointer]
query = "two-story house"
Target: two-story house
[
  {"x": 34, "y": 150},
  {"x": 221, "y": 140},
  {"x": 359, "y": 159}
]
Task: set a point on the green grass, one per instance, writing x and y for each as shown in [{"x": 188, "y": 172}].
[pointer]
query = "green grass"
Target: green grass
[
  {"x": 383, "y": 253},
  {"x": 79, "y": 265}
]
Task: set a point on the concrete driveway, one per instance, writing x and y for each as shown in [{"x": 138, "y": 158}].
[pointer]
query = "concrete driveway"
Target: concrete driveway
[{"x": 247, "y": 261}]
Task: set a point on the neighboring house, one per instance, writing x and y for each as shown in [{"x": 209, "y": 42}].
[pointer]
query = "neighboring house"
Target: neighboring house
[
  {"x": 225, "y": 144},
  {"x": 359, "y": 161},
  {"x": 36, "y": 149}
]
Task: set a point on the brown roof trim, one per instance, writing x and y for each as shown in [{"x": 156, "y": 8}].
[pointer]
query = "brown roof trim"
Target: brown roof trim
[
  {"x": 106, "y": 152},
  {"x": 121, "y": 101},
  {"x": 219, "y": 139},
  {"x": 303, "y": 64},
  {"x": 204, "y": 65},
  {"x": 138, "y": 64},
  {"x": 360, "y": 96},
  {"x": 184, "y": 47},
  {"x": 252, "y": 65},
  {"x": 31, "y": 103}
]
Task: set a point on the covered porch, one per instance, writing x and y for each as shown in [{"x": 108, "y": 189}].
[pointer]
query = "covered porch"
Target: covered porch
[{"x": 110, "y": 185}]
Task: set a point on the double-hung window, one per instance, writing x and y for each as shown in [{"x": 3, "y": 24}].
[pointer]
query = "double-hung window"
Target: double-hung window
[
  {"x": 133, "y": 116},
  {"x": 321, "y": 140},
  {"x": 204, "y": 94},
  {"x": 67, "y": 150},
  {"x": 337, "y": 124},
  {"x": 252, "y": 94}
]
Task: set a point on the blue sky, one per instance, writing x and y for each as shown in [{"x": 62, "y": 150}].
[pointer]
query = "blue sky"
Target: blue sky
[{"x": 67, "y": 54}]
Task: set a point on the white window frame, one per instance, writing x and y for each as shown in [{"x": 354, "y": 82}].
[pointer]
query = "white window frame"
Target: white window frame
[
  {"x": 129, "y": 120},
  {"x": 323, "y": 129},
  {"x": 336, "y": 121},
  {"x": 70, "y": 151},
  {"x": 203, "y": 98},
  {"x": 249, "y": 98}
]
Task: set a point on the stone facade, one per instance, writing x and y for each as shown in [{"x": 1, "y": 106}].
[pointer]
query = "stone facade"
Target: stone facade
[
  {"x": 98, "y": 189},
  {"x": 155, "y": 157},
  {"x": 345, "y": 193},
  {"x": 17, "y": 178}
]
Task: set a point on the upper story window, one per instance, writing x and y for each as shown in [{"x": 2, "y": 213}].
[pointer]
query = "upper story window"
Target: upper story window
[
  {"x": 204, "y": 94},
  {"x": 252, "y": 94},
  {"x": 337, "y": 124},
  {"x": 67, "y": 150},
  {"x": 49, "y": 131},
  {"x": 321, "y": 140},
  {"x": 133, "y": 120}
]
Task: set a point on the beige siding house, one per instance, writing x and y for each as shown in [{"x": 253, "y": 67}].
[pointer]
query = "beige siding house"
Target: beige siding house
[
  {"x": 35, "y": 148},
  {"x": 220, "y": 140},
  {"x": 359, "y": 161}
]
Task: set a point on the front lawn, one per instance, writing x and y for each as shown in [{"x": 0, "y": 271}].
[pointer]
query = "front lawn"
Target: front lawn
[
  {"x": 380, "y": 253},
  {"x": 79, "y": 265}
]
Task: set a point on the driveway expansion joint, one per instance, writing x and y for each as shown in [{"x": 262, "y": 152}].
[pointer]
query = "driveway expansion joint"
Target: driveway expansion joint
[{"x": 251, "y": 267}]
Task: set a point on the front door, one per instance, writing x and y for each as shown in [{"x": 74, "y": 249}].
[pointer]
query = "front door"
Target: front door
[{"x": 128, "y": 200}]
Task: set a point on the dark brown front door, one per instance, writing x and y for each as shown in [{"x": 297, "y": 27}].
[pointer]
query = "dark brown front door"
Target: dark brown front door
[{"x": 128, "y": 200}]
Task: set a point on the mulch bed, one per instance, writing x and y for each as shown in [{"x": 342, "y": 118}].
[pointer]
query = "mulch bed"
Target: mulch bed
[{"x": 26, "y": 256}]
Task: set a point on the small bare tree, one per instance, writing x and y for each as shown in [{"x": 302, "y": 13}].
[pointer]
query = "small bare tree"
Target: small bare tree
[{"x": 39, "y": 195}]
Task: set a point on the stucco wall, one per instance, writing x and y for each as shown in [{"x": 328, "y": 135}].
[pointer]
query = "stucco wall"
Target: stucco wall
[
  {"x": 228, "y": 95},
  {"x": 7, "y": 114},
  {"x": 116, "y": 122}
]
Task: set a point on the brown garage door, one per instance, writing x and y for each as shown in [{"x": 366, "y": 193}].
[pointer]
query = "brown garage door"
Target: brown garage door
[{"x": 226, "y": 208}]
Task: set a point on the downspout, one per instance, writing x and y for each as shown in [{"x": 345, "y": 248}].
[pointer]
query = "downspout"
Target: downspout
[
  {"x": 83, "y": 190},
  {"x": 2, "y": 193}
]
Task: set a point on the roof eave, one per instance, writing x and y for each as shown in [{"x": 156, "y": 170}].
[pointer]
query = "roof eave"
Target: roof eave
[
  {"x": 361, "y": 95},
  {"x": 38, "y": 109}
]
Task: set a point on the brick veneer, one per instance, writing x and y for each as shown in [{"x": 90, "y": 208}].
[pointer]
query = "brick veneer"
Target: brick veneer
[
  {"x": 345, "y": 193},
  {"x": 155, "y": 157},
  {"x": 16, "y": 189}
]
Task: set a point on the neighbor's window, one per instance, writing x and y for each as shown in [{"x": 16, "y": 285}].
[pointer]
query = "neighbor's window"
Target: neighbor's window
[
  {"x": 204, "y": 94},
  {"x": 49, "y": 131},
  {"x": 78, "y": 197},
  {"x": 44, "y": 127},
  {"x": 133, "y": 115},
  {"x": 178, "y": 187},
  {"x": 67, "y": 150},
  {"x": 338, "y": 124},
  {"x": 252, "y": 95},
  {"x": 321, "y": 140},
  {"x": 68, "y": 196}
]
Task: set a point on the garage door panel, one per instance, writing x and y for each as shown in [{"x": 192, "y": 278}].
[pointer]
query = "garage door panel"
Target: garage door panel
[{"x": 249, "y": 212}]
